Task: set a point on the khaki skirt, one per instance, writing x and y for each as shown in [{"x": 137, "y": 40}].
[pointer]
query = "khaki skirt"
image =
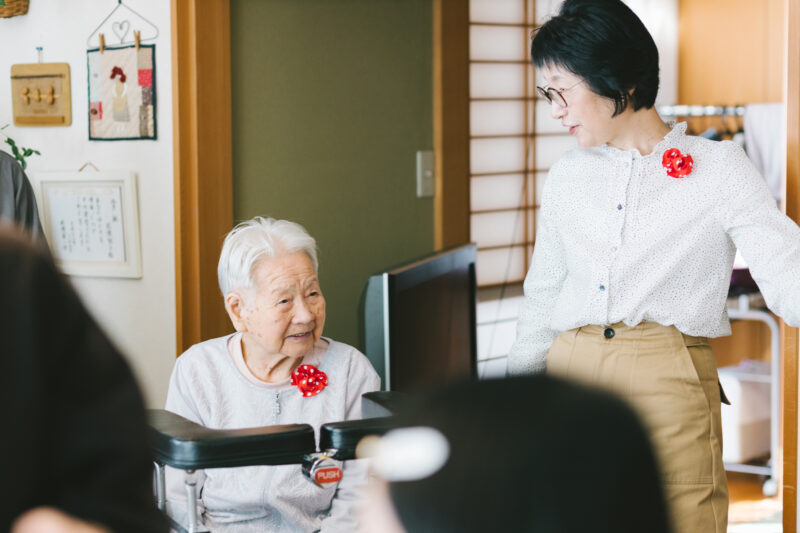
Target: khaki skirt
[{"x": 671, "y": 380}]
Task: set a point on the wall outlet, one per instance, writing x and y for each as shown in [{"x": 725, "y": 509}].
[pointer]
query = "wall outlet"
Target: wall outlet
[{"x": 425, "y": 181}]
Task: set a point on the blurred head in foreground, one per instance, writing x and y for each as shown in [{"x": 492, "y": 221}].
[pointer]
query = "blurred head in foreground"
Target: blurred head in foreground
[
  {"x": 77, "y": 444},
  {"x": 521, "y": 454}
]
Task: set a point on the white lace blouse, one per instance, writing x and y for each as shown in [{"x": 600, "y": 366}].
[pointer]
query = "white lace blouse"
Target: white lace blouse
[{"x": 620, "y": 240}]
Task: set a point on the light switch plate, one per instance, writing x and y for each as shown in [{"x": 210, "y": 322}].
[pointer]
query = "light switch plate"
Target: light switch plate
[
  {"x": 40, "y": 93},
  {"x": 425, "y": 181}
]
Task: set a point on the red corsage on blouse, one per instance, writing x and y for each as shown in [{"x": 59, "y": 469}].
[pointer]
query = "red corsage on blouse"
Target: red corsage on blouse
[
  {"x": 678, "y": 165},
  {"x": 309, "y": 379}
]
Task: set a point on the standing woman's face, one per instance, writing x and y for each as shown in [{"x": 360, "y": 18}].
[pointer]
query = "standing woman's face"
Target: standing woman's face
[{"x": 586, "y": 115}]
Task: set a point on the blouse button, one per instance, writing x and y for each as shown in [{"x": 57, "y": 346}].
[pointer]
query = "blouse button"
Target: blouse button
[
  {"x": 602, "y": 287},
  {"x": 619, "y": 207}
]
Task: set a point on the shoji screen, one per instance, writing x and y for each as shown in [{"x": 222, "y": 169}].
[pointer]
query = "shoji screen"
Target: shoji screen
[
  {"x": 502, "y": 160},
  {"x": 513, "y": 143}
]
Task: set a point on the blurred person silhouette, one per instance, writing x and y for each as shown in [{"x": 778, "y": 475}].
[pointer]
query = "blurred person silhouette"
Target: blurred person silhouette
[
  {"x": 17, "y": 201},
  {"x": 521, "y": 454},
  {"x": 74, "y": 454}
]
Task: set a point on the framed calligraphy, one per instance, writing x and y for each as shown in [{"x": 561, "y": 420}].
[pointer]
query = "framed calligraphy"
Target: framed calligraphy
[{"x": 91, "y": 221}]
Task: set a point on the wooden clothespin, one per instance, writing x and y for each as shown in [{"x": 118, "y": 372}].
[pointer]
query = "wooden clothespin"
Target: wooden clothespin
[
  {"x": 137, "y": 36},
  {"x": 102, "y": 43}
]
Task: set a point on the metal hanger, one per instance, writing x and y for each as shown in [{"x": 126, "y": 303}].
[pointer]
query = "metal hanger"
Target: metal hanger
[
  {"x": 88, "y": 163},
  {"x": 724, "y": 124},
  {"x": 121, "y": 28}
]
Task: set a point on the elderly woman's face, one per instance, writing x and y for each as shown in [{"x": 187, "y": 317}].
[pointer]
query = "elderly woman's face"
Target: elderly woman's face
[{"x": 285, "y": 313}]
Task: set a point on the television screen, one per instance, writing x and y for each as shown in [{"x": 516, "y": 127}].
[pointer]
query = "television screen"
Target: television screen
[{"x": 419, "y": 320}]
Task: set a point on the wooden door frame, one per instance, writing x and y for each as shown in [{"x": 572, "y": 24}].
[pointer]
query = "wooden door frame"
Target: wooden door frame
[
  {"x": 789, "y": 336},
  {"x": 203, "y": 168},
  {"x": 451, "y": 201}
]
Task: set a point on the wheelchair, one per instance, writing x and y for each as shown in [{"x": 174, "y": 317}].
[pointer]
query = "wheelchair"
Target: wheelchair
[{"x": 185, "y": 445}]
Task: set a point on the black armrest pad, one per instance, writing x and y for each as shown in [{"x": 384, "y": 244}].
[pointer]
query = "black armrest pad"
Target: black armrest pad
[
  {"x": 382, "y": 403},
  {"x": 345, "y": 436},
  {"x": 180, "y": 443}
]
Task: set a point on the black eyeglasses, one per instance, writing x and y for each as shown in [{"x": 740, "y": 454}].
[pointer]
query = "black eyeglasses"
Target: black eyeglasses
[{"x": 554, "y": 95}]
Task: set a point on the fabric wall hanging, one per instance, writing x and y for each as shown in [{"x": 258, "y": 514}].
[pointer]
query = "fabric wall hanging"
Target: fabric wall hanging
[{"x": 122, "y": 93}]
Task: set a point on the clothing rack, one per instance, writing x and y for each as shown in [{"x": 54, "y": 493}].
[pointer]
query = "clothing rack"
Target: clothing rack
[
  {"x": 719, "y": 128},
  {"x": 700, "y": 110}
]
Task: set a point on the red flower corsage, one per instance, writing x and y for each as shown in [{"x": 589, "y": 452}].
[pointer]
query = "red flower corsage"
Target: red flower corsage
[
  {"x": 678, "y": 165},
  {"x": 309, "y": 379}
]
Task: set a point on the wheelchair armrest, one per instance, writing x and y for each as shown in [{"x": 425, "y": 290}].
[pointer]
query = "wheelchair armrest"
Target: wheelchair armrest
[
  {"x": 382, "y": 403},
  {"x": 181, "y": 443},
  {"x": 345, "y": 436}
]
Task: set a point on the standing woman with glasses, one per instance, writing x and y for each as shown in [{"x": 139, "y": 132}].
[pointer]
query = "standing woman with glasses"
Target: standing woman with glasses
[{"x": 634, "y": 249}]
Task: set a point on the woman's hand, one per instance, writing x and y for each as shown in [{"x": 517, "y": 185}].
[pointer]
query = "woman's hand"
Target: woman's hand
[{"x": 51, "y": 520}]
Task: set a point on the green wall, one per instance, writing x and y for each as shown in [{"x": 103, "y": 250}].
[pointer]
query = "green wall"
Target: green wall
[{"x": 331, "y": 100}]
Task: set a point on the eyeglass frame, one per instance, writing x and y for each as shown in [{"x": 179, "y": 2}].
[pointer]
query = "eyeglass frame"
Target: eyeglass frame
[{"x": 544, "y": 92}]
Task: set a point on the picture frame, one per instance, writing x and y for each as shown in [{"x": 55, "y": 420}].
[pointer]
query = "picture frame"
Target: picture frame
[{"x": 91, "y": 221}]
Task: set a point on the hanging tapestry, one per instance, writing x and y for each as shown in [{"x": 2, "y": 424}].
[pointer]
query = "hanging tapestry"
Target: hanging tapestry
[{"x": 122, "y": 93}]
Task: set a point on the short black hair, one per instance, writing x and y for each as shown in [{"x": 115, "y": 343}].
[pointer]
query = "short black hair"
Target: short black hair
[{"x": 606, "y": 44}]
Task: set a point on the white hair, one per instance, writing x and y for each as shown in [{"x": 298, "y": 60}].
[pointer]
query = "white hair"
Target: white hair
[{"x": 259, "y": 238}]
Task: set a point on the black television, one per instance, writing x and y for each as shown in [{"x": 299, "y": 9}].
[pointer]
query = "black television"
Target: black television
[{"x": 419, "y": 320}]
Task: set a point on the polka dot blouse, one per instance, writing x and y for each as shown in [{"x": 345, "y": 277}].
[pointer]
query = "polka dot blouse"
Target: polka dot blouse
[{"x": 618, "y": 239}]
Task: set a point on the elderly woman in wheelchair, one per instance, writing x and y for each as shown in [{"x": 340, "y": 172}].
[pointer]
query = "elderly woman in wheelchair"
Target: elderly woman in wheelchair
[{"x": 276, "y": 369}]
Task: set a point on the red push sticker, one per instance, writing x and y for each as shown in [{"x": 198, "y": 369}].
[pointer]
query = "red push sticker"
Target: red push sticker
[{"x": 328, "y": 475}]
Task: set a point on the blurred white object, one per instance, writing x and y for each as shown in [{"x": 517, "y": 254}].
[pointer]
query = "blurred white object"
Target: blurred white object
[
  {"x": 406, "y": 454},
  {"x": 765, "y": 143}
]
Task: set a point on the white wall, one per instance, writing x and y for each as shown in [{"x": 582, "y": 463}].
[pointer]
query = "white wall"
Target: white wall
[
  {"x": 660, "y": 17},
  {"x": 139, "y": 314}
]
